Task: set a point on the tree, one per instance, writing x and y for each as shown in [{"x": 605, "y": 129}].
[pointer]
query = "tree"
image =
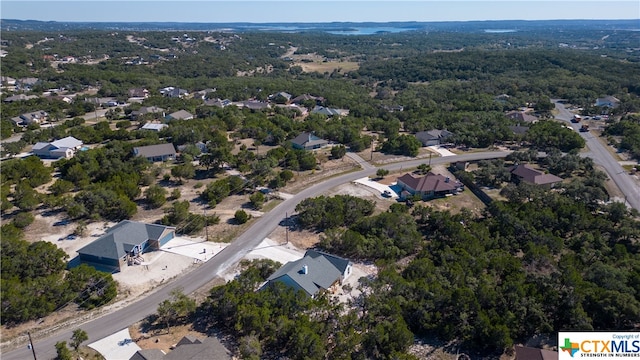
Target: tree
[
  {"x": 178, "y": 308},
  {"x": 183, "y": 171},
  {"x": 257, "y": 200},
  {"x": 62, "y": 351},
  {"x": 381, "y": 173},
  {"x": 79, "y": 336},
  {"x": 241, "y": 216},
  {"x": 337, "y": 152},
  {"x": 156, "y": 196}
]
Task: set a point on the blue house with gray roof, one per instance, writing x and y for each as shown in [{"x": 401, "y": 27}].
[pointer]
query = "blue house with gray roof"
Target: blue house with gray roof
[
  {"x": 123, "y": 243},
  {"x": 316, "y": 271}
]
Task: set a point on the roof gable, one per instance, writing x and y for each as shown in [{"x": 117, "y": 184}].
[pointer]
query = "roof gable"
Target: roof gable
[
  {"x": 531, "y": 175},
  {"x": 68, "y": 142},
  {"x": 315, "y": 271},
  {"x": 122, "y": 237},
  {"x": 428, "y": 183},
  {"x": 155, "y": 150}
]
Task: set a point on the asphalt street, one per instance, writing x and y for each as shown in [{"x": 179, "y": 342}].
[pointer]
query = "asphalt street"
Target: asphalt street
[{"x": 603, "y": 157}]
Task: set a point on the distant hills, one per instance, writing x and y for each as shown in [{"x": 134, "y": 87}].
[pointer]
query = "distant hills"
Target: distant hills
[{"x": 448, "y": 26}]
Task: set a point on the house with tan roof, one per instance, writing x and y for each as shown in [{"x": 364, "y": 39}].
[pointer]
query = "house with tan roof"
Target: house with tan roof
[{"x": 179, "y": 115}]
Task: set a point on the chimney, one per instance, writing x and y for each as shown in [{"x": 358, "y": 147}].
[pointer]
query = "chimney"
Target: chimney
[{"x": 305, "y": 269}]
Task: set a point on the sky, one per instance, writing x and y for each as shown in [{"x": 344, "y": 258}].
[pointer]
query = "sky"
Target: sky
[{"x": 268, "y": 11}]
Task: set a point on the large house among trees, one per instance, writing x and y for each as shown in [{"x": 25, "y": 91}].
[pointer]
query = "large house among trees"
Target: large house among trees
[
  {"x": 308, "y": 141},
  {"x": 428, "y": 187},
  {"x": 155, "y": 153},
  {"x": 316, "y": 271},
  {"x": 526, "y": 173},
  {"x": 124, "y": 243},
  {"x": 433, "y": 137},
  {"x": 61, "y": 148}
]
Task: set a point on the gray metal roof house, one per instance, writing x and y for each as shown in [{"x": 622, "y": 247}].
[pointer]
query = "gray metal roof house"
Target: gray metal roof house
[
  {"x": 124, "y": 242},
  {"x": 154, "y": 153},
  {"x": 179, "y": 115},
  {"x": 433, "y": 137},
  {"x": 62, "y": 148},
  {"x": 308, "y": 141},
  {"x": 316, "y": 271}
]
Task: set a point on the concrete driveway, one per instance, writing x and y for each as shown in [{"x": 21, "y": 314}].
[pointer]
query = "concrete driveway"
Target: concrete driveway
[
  {"x": 380, "y": 188},
  {"x": 118, "y": 346}
]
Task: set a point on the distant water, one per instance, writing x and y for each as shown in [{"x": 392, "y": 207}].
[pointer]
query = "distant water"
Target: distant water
[
  {"x": 369, "y": 30},
  {"x": 499, "y": 31}
]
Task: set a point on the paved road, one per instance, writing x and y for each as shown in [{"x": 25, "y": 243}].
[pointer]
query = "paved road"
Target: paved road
[
  {"x": 603, "y": 157},
  {"x": 234, "y": 252}
]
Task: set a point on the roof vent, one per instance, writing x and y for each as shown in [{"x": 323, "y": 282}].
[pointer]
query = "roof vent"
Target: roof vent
[{"x": 305, "y": 269}]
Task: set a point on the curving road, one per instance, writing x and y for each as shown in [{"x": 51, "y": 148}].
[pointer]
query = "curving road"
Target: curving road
[
  {"x": 603, "y": 157},
  {"x": 115, "y": 321}
]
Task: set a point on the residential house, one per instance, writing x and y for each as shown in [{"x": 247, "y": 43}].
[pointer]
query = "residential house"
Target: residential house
[
  {"x": 524, "y": 172},
  {"x": 65, "y": 98},
  {"x": 35, "y": 117},
  {"x": 522, "y": 116},
  {"x": 153, "y": 126},
  {"x": 179, "y": 115},
  {"x": 19, "y": 97},
  {"x": 124, "y": 243},
  {"x": 253, "y": 104},
  {"x": 200, "y": 145},
  {"x": 136, "y": 114},
  {"x": 139, "y": 93},
  {"x": 308, "y": 141},
  {"x": 62, "y": 148},
  {"x": 203, "y": 94},
  {"x": 174, "y": 92},
  {"x": 315, "y": 272},
  {"x": 301, "y": 110},
  {"x": 607, "y": 101},
  {"x": 518, "y": 129},
  {"x": 281, "y": 97},
  {"x": 188, "y": 348},
  {"x": 529, "y": 353},
  {"x": 217, "y": 102},
  {"x": 393, "y": 108},
  {"x": 154, "y": 153},
  {"x": 26, "y": 83},
  {"x": 428, "y": 186},
  {"x": 101, "y": 101},
  {"x": 433, "y": 137},
  {"x": 306, "y": 97},
  {"x": 7, "y": 81},
  {"x": 329, "y": 111}
]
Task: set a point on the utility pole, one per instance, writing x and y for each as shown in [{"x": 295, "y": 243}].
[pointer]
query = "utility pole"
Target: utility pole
[
  {"x": 430, "y": 153},
  {"x": 286, "y": 227},
  {"x": 371, "y": 150},
  {"x": 33, "y": 349},
  {"x": 206, "y": 226}
]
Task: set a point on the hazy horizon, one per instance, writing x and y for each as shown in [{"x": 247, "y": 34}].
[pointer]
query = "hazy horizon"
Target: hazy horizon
[{"x": 305, "y": 11}]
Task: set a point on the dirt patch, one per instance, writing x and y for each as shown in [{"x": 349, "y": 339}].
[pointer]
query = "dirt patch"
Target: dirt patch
[
  {"x": 327, "y": 169},
  {"x": 161, "y": 338}
]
